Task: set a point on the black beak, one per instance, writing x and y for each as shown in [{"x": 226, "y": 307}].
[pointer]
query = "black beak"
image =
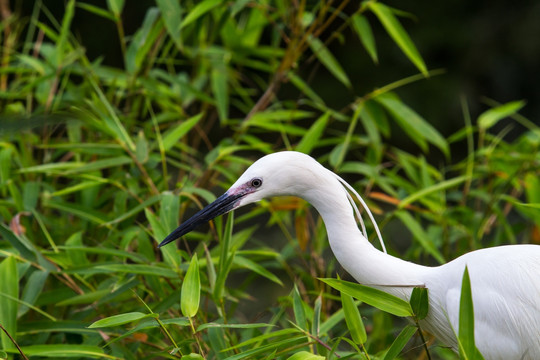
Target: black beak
[{"x": 222, "y": 205}]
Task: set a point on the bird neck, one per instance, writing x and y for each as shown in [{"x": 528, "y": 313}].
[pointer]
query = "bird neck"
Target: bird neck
[{"x": 353, "y": 251}]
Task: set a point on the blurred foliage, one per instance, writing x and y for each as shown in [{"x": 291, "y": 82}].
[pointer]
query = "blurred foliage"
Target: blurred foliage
[{"x": 99, "y": 163}]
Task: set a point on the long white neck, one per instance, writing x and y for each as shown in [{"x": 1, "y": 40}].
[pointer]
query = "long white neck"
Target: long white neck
[{"x": 354, "y": 252}]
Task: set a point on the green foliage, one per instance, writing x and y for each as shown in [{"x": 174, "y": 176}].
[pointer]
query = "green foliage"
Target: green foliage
[{"x": 98, "y": 163}]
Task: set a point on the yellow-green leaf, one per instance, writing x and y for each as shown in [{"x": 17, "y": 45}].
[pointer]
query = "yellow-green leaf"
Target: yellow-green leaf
[
  {"x": 365, "y": 34},
  {"x": 172, "y": 137},
  {"x": 353, "y": 319},
  {"x": 398, "y": 34},
  {"x": 304, "y": 355},
  {"x": 9, "y": 285},
  {"x": 371, "y": 296},
  {"x": 418, "y": 129},
  {"x": 492, "y": 116},
  {"x": 119, "y": 319},
  {"x": 191, "y": 289}
]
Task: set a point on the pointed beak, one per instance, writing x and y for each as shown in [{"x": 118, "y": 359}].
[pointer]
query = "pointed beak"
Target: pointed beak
[{"x": 222, "y": 205}]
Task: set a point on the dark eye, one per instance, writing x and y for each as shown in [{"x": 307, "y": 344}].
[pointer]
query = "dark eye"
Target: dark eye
[{"x": 256, "y": 182}]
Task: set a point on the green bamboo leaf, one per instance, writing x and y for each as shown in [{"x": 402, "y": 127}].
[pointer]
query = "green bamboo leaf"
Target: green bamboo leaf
[
  {"x": 419, "y": 302},
  {"x": 136, "y": 209},
  {"x": 220, "y": 88},
  {"x": 328, "y": 60},
  {"x": 149, "y": 270},
  {"x": 77, "y": 187},
  {"x": 199, "y": 10},
  {"x": 62, "y": 43},
  {"x": 226, "y": 257},
  {"x": 443, "y": 185},
  {"x": 420, "y": 235},
  {"x": 78, "y": 210},
  {"x": 146, "y": 324},
  {"x": 112, "y": 121},
  {"x": 467, "y": 345},
  {"x": 116, "y": 6},
  {"x": 398, "y": 34},
  {"x": 492, "y": 116},
  {"x": 87, "y": 298},
  {"x": 371, "y": 296},
  {"x": 413, "y": 124},
  {"x": 305, "y": 88},
  {"x": 119, "y": 319},
  {"x": 298, "y": 307},
  {"x": 274, "y": 335},
  {"x": 170, "y": 254},
  {"x": 353, "y": 319},
  {"x": 191, "y": 289},
  {"x": 32, "y": 290},
  {"x": 312, "y": 136},
  {"x": 97, "y": 11},
  {"x": 399, "y": 343},
  {"x": 304, "y": 355},
  {"x": 143, "y": 41},
  {"x": 265, "y": 349},
  {"x": 63, "y": 351},
  {"x": 192, "y": 356},
  {"x": 256, "y": 268},
  {"x": 171, "y": 137},
  {"x": 9, "y": 285},
  {"x": 365, "y": 34},
  {"x": 171, "y": 12},
  {"x": 315, "y": 324},
  {"x": 232, "y": 326},
  {"x": 100, "y": 165},
  {"x": 51, "y": 168}
]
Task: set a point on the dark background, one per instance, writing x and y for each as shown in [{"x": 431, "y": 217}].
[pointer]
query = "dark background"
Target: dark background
[{"x": 487, "y": 49}]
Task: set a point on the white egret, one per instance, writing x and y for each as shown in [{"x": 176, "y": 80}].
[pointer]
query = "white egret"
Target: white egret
[{"x": 505, "y": 280}]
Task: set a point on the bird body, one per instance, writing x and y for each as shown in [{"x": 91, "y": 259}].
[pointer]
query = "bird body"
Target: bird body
[{"x": 505, "y": 280}]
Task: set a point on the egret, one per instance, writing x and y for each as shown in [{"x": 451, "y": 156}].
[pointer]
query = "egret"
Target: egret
[{"x": 505, "y": 280}]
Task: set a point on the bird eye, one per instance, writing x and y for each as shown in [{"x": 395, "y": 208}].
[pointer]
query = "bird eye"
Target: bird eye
[{"x": 256, "y": 182}]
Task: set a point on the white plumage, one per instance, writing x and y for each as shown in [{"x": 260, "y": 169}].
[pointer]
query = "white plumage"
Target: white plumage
[{"x": 505, "y": 280}]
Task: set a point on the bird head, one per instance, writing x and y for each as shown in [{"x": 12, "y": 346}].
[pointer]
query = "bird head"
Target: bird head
[{"x": 282, "y": 173}]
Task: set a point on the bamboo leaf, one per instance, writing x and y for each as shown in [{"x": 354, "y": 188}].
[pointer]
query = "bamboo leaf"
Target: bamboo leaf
[
  {"x": 9, "y": 285},
  {"x": 116, "y": 6},
  {"x": 312, "y": 136},
  {"x": 419, "y": 302},
  {"x": 174, "y": 135},
  {"x": 399, "y": 343},
  {"x": 86, "y": 298},
  {"x": 304, "y": 355},
  {"x": 191, "y": 289},
  {"x": 371, "y": 296},
  {"x": 398, "y": 34},
  {"x": 492, "y": 116},
  {"x": 365, "y": 34},
  {"x": 420, "y": 235},
  {"x": 329, "y": 61},
  {"x": 64, "y": 33},
  {"x": 443, "y": 185},
  {"x": 117, "y": 320},
  {"x": 353, "y": 319},
  {"x": 199, "y": 10},
  {"x": 413, "y": 124},
  {"x": 220, "y": 88},
  {"x": 467, "y": 345},
  {"x": 298, "y": 307},
  {"x": 63, "y": 351},
  {"x": 171, "y": 12},
  {"x": 256, "y": 268}
]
